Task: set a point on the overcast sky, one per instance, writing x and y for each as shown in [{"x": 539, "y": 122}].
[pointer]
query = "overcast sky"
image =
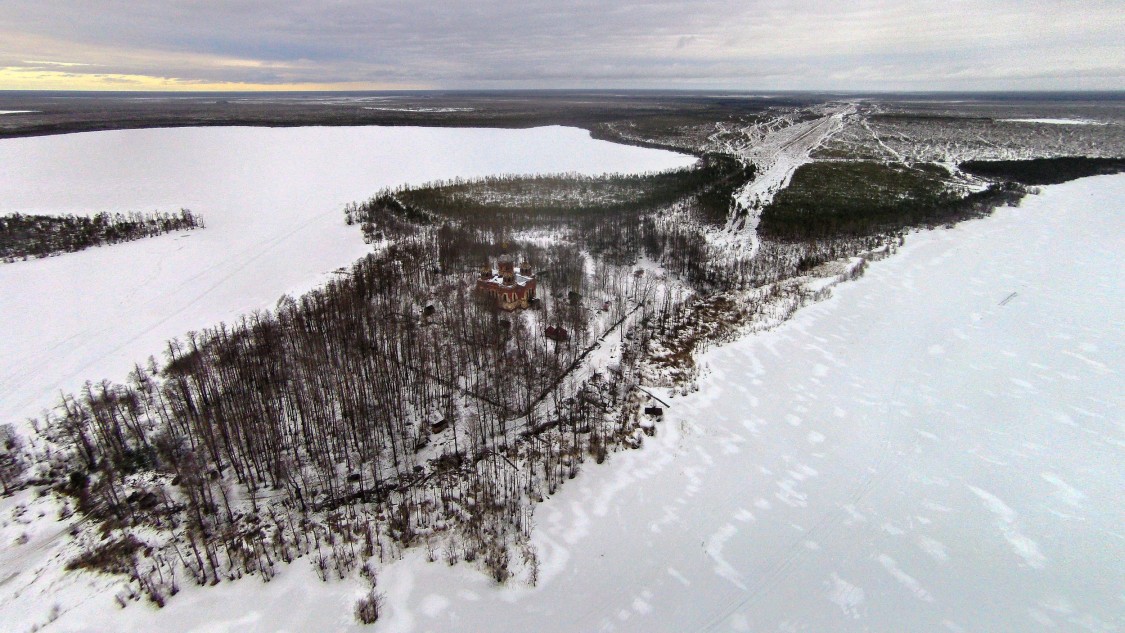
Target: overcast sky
[{"x": 452, "y": 44}]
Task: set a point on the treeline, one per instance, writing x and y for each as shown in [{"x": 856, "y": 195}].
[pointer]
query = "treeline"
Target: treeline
[
  {"x": 614, "y": 238},
  {"x": 1044, "y": 171},
  {"x": 827, "y": 200},
  {"x": 613, "y": 218},
  {"x": 23, "y": 236},
  {"x": 518, "y": 202},
  {"x": 672, "y": 234}
]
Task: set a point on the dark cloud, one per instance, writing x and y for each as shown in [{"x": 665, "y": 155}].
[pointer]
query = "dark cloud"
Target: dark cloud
[{"x": 540, "y": 44}]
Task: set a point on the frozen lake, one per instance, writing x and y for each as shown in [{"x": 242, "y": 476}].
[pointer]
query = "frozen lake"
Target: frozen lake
[
  {"x": 272, "y": 200},
  {"x": 937, "y": 448}
]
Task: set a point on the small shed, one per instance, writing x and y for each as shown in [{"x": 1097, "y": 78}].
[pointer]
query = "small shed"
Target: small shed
[
  {"x": 656, "y": 412},
  {"x": 557, "y": 333}
]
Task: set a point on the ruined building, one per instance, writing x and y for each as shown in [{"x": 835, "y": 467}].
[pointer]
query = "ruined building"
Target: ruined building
[{"x": 512, "y": 287}]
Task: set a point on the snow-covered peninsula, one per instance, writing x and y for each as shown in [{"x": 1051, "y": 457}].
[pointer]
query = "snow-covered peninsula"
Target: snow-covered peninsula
[{"x": 936, "y": 447}]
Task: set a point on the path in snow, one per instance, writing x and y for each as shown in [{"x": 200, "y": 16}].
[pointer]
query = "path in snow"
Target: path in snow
[
  {"x": 939, "y": 447},
  {"x": 272, "y": 200},
  {"x": 776, "y": 148}
]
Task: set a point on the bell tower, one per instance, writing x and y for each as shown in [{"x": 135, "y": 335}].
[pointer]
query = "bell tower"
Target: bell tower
[{"x": 507, "y": 271}]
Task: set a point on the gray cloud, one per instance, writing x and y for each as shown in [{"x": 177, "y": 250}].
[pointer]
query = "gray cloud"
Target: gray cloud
[{"x": 751, "y": 44}]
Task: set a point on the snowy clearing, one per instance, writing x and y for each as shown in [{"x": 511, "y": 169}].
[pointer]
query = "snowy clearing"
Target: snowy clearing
[
  {"x": 272, "y": 201},
  {"x": 939, "y": 447},
  {"x": 949, "y": 138},
  {"x": 776, "y": 148}
]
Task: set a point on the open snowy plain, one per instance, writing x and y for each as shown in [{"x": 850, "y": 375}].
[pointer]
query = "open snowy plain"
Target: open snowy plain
[
  {"x": 938, "y": 447},
  {"x": 272, "y": 200}
]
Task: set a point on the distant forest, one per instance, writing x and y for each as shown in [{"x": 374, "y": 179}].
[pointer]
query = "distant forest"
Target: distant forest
[
  {"x": 830, "y": 199},
  {"x": 1044, "y": 171},
  {"x": 521, "y": 201},
  {"x": 26, "y": 236}
]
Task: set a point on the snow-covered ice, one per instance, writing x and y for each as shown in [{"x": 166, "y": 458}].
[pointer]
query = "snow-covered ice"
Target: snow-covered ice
[
  {"x": 965, "y": 473},
  {"x": 272, "y": 201}
]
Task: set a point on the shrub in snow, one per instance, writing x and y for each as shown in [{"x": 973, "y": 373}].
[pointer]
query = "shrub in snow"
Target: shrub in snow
[{"x": 368, "y": 608}]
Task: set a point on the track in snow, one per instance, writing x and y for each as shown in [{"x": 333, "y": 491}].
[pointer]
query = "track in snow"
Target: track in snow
[{"x": 776, "y": 148}]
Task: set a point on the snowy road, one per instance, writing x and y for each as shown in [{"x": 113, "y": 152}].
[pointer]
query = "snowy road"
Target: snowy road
[{"x": 776, "y": 148}]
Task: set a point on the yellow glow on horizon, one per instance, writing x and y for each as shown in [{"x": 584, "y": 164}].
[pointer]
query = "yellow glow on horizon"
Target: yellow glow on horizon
[{"x": 23, "y": 78}]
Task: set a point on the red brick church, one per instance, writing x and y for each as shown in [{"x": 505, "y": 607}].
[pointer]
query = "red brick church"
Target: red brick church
[{"x": 512, "y": 287}]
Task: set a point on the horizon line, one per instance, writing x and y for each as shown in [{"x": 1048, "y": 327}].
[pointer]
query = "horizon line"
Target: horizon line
[{"x": 748, "y": 91}]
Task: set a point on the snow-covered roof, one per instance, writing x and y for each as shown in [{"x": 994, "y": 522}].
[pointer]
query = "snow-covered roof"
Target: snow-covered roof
[{"x": 520, "y": 280}]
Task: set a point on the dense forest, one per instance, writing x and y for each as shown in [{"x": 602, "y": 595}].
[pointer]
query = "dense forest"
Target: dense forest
[
  {"x": 827, "y": 199},
  {"x": 1044, "y": 171},
  {"x": 515, "y": 202},
  {"x": 23, "y": 236},
  {"x": 614, "y": 218}
]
